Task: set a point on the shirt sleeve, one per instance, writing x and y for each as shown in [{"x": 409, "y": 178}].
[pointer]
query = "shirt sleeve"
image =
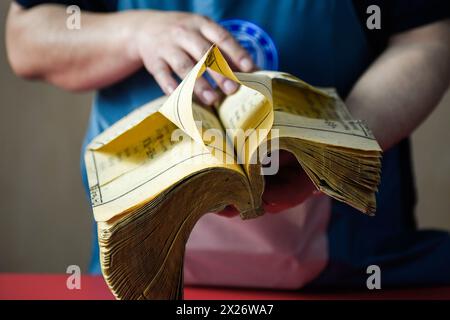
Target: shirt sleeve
[
  {"x": 398, "y": 16},
  {"x": 408, "y": 14},
  {"x": 89, "y": 5}
]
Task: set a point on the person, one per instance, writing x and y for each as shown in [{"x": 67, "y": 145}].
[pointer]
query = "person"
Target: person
[{"x": 131, "y": 52}]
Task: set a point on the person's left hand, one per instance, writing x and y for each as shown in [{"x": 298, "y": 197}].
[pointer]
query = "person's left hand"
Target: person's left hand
[{"x": 288, "y": 188}]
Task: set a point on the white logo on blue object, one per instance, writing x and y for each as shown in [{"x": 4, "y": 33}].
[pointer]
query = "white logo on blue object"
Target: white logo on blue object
[{"x": 255, "y": 40}]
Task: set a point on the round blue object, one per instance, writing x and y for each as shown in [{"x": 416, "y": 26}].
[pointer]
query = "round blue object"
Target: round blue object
[{"x": 255, "y": 40}]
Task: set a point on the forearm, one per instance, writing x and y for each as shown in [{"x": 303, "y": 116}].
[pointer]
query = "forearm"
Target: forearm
[
  {"x": 40, "y": 46},
  {"x": 404, "y": 84}
]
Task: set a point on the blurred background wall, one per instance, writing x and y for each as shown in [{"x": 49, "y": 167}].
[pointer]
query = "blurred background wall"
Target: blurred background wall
[{"x": 45, "y": 220}]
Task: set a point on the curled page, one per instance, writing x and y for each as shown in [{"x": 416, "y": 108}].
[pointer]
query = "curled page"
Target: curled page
[
  {"x": 136, "y": 159},
  {"x": 178, "y": 107}
]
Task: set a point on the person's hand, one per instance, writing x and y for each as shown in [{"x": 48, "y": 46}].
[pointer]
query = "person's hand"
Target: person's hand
[
  {"x": 288, "y": 188},
  {"x": 170, "y": 43}
]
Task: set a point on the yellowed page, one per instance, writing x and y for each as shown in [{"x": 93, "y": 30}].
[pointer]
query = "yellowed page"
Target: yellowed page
[
  {"x": 136, "y": 165},
  {"x": 318, "y": 116},
  {"x": 301, "y": 111},
  {"x": 345, "y": 133},
  {"x": 178, "y": 107}
]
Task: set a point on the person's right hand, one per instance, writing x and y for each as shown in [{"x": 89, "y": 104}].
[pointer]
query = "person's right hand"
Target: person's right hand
[
  {"x": 170, "y": 43},
  {"x": 288, "y": 188}
]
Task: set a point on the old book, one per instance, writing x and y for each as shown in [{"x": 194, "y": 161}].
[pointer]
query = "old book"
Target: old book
[{"x": 154, "y": 173}]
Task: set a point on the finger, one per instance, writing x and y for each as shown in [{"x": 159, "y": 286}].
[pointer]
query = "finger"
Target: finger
[
  {"x": 162, "y": 75},
  {"x": 179, "y": 62},
  {"x": 205, "y": 92},
  {"x": 196, "y": 46},
  {"x": 288, "y": 188},
  {"x": 226, "y": 85},
  {"x": 225, "y": 41},
  {"x": 194, "y": 43}
]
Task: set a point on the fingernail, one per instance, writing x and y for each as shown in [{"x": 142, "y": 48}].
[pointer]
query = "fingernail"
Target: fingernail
[
  {"x": 209, "y": 97},
  {"x": 229, "y": 86},
  {"x": 170, "y": 89},
  {"x": 246, "y": 64}
]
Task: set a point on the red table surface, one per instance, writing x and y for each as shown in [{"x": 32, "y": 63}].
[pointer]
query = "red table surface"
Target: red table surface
[{"x": 50, "y": 286}]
